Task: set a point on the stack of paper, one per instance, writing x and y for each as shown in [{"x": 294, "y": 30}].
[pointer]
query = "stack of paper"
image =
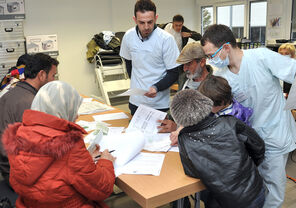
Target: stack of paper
[
  {"x": 146, "y": 120},
  {"x": 110, "y": 116},
  {"x": 90, "y": 107},
  {"x": 127, "y": 147},
  {"x": 157, "y": 142}
]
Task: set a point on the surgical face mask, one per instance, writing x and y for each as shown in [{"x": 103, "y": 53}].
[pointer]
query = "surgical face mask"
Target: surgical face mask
[{"x": 218, "y": 62}]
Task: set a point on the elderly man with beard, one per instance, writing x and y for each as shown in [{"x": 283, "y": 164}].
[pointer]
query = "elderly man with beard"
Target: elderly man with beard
[{"x": 194, "y": 60}]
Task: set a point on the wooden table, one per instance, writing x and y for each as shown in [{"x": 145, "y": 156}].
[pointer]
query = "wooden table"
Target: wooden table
[{"x": 152, "y": 191}]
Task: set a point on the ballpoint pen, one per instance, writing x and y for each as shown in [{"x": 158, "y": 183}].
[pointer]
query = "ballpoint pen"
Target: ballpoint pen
[{"x": 100, "y": 155}]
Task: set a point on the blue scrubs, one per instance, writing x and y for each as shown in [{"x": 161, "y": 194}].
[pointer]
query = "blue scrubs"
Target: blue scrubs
[
  {"x": 257, "y": 86},
  {"x": 151, "y": 58}
]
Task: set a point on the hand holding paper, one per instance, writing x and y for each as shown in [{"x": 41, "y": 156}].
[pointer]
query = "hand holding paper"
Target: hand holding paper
[{"x": 133, "y": 91}]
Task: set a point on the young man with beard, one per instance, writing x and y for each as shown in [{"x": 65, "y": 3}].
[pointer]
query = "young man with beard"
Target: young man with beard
[
  {"x": 39, "y": 70},
  {"x": 150, "y": 55}
]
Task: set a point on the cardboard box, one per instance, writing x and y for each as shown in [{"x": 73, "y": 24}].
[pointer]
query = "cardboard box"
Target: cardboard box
[
  {"x": 12, "y": 9},
  {"x": 47, "y": 44}
]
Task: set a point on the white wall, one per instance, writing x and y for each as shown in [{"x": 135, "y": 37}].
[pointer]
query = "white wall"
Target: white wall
[{"x": 76, "y": 21}]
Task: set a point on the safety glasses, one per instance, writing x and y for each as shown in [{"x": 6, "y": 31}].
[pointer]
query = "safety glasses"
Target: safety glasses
[{"x": 219, "y": 49}]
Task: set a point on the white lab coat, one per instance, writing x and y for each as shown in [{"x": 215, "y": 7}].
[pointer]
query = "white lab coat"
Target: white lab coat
[{"x": 257, "y": 86}]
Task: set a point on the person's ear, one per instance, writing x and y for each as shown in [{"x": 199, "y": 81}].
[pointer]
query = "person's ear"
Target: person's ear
[
  {"x": 202, "y": 62},
  {"x": 135, "y": 19},
  {"x": 42, "y": 75},
  {"x": 227, "y": 47},
  {"x": 156, "y": 16}
]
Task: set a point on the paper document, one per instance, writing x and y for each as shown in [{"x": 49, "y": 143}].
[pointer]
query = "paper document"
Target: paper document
[
  {"x": 89, "y": 126},
  {"x": 126, "y": 147},
  {"x": 144, "y": 163},
  {"x": 115, "y": 130},
  {"x": 157, "y": 142},
  {"x": 87, "y": 100},
  {"x": 133, "y": 91},
  {"x": 90, "y": 107},
  {"x": 291, "y": 101},
  {"x": 146, "y": 120},
  {"x": 92, "y": 139},
  {"x": 110, "y": 116},
  {"x": 174, "y": 149}
]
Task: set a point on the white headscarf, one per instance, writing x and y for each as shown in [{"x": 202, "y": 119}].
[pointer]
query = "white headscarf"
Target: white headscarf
[{"x": 59, "y": 99}]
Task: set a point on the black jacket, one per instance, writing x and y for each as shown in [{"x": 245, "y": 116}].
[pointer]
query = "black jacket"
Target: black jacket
[
  {"x": 223, "y": 152},
  {"x": 194, "y": 35}
]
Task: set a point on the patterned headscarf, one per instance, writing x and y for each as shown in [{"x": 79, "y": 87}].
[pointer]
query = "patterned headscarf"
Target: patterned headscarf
[{"x": 59, "y": 99}]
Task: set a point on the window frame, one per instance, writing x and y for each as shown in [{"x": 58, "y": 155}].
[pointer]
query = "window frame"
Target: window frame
[
  {"x": 247, "y": 6},
  {"x": 293, "y": 14},
  {"x": 249, "y": 20}
]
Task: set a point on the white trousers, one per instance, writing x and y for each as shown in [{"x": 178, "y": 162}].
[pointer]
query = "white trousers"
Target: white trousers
[{"x": 273, "y": 171}]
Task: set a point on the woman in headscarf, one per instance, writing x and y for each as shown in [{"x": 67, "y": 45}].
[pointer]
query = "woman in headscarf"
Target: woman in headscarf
[{"x": 50, "y": 166}]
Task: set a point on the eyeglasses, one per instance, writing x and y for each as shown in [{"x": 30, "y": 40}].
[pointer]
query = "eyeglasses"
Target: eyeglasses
[{"x": 212, "y": 56}]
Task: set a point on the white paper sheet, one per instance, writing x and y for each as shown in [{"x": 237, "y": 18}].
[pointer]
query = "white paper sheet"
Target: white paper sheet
[
  {"x": 110, "y": 116},
  {"x": 115, "y": 130},
  {"x": 145, "y": 119},
  {"x": 89, "y": 126},
  {"x": 133, "y": 91},
  {"x": 157, "y": 142},
  {"x": 92, "y": 139},
  {"x": 126, "y": 146},
  {"x": 291, "y": 101},
  {"x": 92, "y": 107},
  {"x": 174, "y": 149},
  {"x": 143, "y": 163},
  {"x": 87, "y": 100}
]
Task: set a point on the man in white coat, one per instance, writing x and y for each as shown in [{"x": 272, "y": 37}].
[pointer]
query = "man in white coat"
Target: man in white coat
[{"x": 254, "y": 76}]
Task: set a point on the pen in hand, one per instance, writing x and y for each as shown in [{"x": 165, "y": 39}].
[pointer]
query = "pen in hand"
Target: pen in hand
[{"x": 100, "y": 155}]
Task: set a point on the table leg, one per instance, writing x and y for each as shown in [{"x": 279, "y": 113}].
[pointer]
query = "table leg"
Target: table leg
[
  {"x": 197, "y": 200},
  {"x": 180, "y": 203}
]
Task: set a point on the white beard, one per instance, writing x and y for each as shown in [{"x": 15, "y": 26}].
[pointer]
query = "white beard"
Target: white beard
[{"x": 196, "y": 74}]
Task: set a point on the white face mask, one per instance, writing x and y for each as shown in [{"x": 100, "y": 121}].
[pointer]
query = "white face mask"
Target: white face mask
[
  {"x": 218, "y": 62},
  {"x": 288, "y": 56}
]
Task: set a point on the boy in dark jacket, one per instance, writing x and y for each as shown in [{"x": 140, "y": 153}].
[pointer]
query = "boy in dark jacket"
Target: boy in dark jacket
[{"x": 222, "y": 151}]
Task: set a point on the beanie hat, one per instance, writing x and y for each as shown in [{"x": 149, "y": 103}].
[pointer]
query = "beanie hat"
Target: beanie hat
[{"x": 189, "y": 107}]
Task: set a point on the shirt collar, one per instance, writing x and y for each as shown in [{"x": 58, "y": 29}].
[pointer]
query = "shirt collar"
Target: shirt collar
[{"x": 139, "y": 34}]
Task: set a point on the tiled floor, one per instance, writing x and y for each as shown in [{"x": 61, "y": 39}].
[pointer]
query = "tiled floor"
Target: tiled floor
[{"x": 124, "y": 201}]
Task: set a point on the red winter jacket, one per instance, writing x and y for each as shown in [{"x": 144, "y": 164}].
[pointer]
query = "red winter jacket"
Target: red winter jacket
[{"x": 50, "y": 166}]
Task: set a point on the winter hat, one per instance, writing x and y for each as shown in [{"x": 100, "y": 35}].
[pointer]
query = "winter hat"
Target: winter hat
[{"x": 189, "y": 107}]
